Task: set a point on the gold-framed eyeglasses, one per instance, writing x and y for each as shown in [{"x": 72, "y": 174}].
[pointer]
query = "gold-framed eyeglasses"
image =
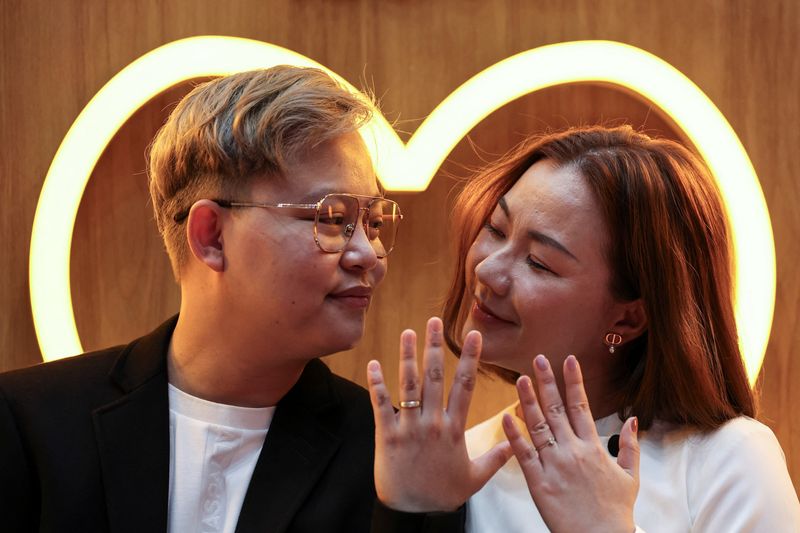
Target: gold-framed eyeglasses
[{"x": 336, "y": 218}]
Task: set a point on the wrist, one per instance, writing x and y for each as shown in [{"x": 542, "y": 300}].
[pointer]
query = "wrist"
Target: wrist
[{"x": 412, "y": 505}]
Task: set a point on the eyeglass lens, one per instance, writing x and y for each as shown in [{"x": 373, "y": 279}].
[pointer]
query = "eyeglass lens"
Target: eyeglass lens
[{"x": 338, "y": 216}]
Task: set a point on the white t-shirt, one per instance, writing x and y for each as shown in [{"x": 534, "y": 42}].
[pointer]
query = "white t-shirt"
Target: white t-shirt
[
  {"x": 213, "y": 452},
  {"x": 733, "y": 479}
]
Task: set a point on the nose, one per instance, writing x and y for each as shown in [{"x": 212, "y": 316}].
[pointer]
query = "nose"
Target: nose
[
  {"x": 359, "y": 254},
  {"x": 492, "y": 271}
]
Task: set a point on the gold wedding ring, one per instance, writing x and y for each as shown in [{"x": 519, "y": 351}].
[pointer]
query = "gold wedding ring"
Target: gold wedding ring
[{"x": 410, "y": 404}]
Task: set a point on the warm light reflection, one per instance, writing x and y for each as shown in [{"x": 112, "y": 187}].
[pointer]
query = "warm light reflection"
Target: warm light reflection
[{"x": 408, "y": 167}]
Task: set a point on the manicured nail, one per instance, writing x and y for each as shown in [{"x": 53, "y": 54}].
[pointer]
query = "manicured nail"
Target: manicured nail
[
  {"x": 635, "y": 424},
  {"x": 572, "y": 363},
  {"x": 541, "y": 362}
]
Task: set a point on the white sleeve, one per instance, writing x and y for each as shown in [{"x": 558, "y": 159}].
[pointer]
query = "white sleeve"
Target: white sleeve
[{"x": 738, "y": 482}]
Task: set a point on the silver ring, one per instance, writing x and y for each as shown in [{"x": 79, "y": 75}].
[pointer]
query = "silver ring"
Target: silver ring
[
  {"x": 550, "y": 442},
  {"x": 410, "y": 404}
]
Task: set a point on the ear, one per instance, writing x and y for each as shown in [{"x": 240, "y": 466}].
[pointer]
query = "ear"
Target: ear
[
  {"x": 204, "y": 234},
  {"x": 631, "y": 320}
]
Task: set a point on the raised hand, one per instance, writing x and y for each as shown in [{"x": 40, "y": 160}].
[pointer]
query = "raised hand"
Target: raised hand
[
  {"x": 575, "y": 484},
  {"x": 421, "y": 461}
]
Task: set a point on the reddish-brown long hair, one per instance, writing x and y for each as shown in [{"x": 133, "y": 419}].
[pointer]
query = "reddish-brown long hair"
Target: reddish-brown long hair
[{"x": 669, "y": 245}]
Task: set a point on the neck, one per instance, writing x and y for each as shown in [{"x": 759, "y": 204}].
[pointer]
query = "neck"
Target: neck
[
  {"x": 232, "y": 369},
  {"x": 601, "y": 397}
]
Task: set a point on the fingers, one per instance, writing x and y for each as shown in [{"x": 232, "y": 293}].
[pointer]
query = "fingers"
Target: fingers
[
  {"x": 464, "y": 380},
  {"x": 433, "y": 369},
  {"x": 487, "y": 465},
  {"x": 523, "y": 450},
  {"x": 382, "y": 408},
  {"x": 577, "y": 403},
  {"x": 628, "y": 457},
  {"x": 550, "y": 399},
  {"x": 409, "y": 375},
  {"x": 538, "y": 428}
]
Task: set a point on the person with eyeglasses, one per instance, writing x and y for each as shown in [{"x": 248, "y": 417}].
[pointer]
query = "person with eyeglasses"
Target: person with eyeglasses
[{"x": 223, "y": 419}]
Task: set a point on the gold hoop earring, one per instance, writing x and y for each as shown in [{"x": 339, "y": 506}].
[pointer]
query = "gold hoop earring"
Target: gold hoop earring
[{"x": 612, "y": 340}]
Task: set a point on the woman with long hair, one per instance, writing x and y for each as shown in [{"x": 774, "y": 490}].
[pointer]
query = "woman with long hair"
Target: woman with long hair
[{"x": 608, "y": 253}]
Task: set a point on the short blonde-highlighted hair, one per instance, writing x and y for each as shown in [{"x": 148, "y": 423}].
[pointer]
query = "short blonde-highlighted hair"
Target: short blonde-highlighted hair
[{"x": 228, "y": 131}]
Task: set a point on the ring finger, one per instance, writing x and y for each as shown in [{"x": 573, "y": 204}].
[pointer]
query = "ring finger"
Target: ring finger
[
  {"x": 541, "y": 435},
  {"x": 410, "y": 394}
]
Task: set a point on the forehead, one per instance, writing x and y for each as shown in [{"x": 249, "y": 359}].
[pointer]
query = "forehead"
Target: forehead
[
  {"x": 548, "y": 186},
  {"x": 339, "y": 165},
  {"x": 557, "y": 200}
]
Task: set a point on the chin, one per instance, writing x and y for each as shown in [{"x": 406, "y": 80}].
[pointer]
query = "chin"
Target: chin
[
  {"x": 496, "y": 354},
  {"x": 346, "y": 338}
]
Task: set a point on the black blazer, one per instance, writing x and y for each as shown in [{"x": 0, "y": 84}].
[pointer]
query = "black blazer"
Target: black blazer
[{"x": 84, "y": 447}]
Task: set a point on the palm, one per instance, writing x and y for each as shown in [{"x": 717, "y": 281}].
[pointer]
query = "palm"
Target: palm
[
  {"x": 421, "y": 461},
  {"x": 575, "y": 485}
]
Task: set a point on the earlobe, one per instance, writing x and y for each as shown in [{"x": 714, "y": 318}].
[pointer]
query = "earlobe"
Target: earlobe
[{"x": 204, "y": 234}]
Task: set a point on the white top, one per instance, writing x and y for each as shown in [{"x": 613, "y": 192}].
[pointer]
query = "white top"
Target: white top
[
  {"x": 733, "y": 479},
  {"x": 213, "y": 452}
]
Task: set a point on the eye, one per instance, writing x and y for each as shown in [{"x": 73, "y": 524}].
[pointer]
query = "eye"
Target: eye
[
  {"x": 493, "y": 230},
  {"x": 376, "y": 222},
  {"x": 535, "y": 265},
  {"x": 332, "y": 219}
]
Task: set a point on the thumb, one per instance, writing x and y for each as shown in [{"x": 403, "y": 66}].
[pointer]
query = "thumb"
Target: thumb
[
  {"x": 628, "y": 457},
  {"x": 487, "y": 465}
]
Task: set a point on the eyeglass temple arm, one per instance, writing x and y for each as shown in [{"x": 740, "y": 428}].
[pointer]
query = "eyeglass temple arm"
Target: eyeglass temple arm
[{"x": 180, "y": 216}]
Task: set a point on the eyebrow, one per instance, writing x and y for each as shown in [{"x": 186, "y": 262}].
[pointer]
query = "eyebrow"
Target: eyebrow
[
  {"x": 538, "y": 236},
  {"x": 316, "y": 194}
]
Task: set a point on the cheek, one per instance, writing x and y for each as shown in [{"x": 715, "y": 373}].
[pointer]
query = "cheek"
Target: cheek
[
  {"x": 379, "y": 272},
  {"x": 569, "y": 316}
]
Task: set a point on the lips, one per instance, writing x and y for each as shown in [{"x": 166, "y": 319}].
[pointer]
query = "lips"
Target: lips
[
  {"x": 482, "y": 312},
  {"x": 356, "y": 297}
]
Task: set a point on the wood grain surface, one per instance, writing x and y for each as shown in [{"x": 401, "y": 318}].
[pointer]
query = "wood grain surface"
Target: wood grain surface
[{"x": 54, "y": 56}]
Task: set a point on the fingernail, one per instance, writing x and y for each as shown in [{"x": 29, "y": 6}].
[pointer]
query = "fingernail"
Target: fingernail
[
  {"x": 507, "y": 420},
  {"x": 572, "y": 363},
  {"x": 473, "y": 338},
  {"x": 541, "y": 362},
  {"x": 436, "y": 325},
  {"x": 373, "y": 366},
  {"x": 635, "y": 424},
  {"x": 408, "y": 338}
]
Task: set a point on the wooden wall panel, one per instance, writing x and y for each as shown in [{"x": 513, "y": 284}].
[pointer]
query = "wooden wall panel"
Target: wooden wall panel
[{"x": 55, "y": 55}]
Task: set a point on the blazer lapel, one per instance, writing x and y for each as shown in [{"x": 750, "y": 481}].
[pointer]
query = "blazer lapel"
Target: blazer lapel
[
  {"x": 132, "y": 435},
  {"x": 300, "y": 443}
]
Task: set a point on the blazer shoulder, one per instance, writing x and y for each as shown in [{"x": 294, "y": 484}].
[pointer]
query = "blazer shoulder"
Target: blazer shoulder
[
  {"x": 71, "y": 374},
  {"x": 123, "y": 367}
]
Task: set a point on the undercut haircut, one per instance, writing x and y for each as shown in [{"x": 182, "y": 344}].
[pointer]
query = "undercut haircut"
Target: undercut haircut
[{"x": 232, "y": 130}]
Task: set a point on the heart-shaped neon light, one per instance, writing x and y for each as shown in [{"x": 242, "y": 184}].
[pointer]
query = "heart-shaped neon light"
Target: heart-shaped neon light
[{"x": 409, "y": 167}]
